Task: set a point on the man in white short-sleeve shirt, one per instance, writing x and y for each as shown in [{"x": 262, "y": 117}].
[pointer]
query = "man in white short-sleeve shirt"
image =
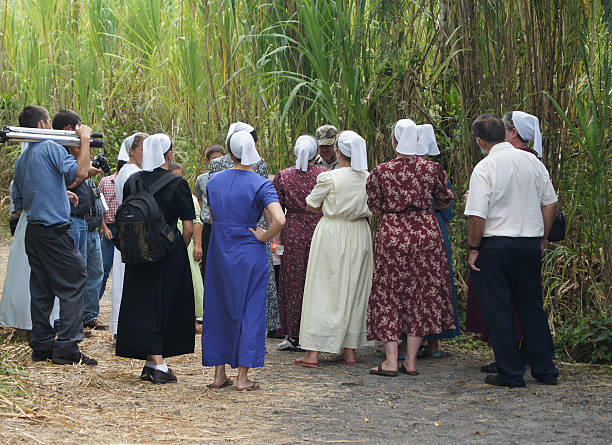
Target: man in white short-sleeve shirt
[{"x": 511, "y": 206}]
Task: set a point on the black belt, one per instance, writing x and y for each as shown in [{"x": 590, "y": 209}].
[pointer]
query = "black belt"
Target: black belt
[{"x": 59, "y": 227}]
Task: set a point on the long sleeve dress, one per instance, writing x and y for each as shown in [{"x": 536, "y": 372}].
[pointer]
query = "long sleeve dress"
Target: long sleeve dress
[
  {"x": 411, "y": 289},
  {"x": 443, "y": 216},
  {"x": 293, "y": 186},
  {"x": 339, "y": 274},
  {"x": 237, "y": 272}
]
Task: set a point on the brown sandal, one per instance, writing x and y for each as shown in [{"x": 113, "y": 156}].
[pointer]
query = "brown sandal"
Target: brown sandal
[
  {"x": 253, "y": 387},
  {"x": 228, "y": 382}
]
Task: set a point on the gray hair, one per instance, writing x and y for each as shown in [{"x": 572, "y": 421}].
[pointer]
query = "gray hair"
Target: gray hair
[{"x": 509, "y": 124}]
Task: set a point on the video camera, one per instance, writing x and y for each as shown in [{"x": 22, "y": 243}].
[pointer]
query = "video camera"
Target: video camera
[
  {"x": 100, "y": 161},
  {"x": 62, "y": 137}
]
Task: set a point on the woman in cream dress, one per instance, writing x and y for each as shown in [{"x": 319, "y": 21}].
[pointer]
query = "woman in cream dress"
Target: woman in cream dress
[{"x": 339, "y": 274}]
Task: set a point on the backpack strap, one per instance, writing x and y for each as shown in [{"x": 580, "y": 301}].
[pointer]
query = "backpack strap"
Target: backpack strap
[{"x": 162, "y": 182}]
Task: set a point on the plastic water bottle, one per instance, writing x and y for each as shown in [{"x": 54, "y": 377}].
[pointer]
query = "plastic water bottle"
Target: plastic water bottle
[{"x": 277, "y": 249}]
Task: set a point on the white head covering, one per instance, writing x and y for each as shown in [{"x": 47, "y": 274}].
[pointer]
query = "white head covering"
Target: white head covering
[
  {"x": 305, "y": 149},
  {"x": 427, "y": 138},
  {"x": 353, "y": 146},
  {"x": 413, "y": 139},
  {"x": 153, "y": 150},
  {"x": 124, "y": 151},
  {"x": 242, "y": 146},
  {"x": 528, "y": 127},
  {"x": 236, "y": 127}
]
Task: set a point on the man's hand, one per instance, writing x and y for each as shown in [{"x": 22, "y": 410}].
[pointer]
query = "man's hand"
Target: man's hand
[
  {"x": 472, "y": 257},
  {"x": 73, "y": 198},
  {"x": 83, "y": 132},
  {"x": 543, "y": 245},
  {"x": 107, "y": 233},
  {"x": 197, "y": 252}
]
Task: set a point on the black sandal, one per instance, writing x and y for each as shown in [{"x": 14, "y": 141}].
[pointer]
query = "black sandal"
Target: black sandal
[
  {"x": 403, "y": 370},
  {"x": 381, "y": 372}
]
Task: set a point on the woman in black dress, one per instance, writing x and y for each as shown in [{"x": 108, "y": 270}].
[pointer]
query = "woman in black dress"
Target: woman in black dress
[{"x": 156, "y": 318}]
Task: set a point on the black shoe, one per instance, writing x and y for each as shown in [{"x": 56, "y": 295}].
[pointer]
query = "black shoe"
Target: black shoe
[
  {"x": 496, "y": 381},
  {"x": 547, "y": 380},
  {"x": 147, "y": 374},
  {"x": 161, "y": 377},
  {"x": 274, "y": 334},
  {"x": 77, "y": 359},
  {"x": 489, "y": 368},
  {"x": 41, "y": 356}
]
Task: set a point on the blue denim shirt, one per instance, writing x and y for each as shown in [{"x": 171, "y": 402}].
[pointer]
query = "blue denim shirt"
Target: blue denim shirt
[{"x": 41, "y": 174}]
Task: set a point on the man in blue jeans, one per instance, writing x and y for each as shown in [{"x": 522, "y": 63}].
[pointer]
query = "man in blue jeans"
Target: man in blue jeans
[
  {"x": 41, "y": 175},
  {"x": 86, "y": 217}
]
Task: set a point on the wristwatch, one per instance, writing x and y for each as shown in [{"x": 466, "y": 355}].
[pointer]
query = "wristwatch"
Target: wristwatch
[{"x": 470, "y": 247}]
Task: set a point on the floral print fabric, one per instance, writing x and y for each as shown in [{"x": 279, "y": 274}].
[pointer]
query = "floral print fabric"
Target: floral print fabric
[
  {"x": 411, "y": 289},
  {"x": 293, "y": 186}
]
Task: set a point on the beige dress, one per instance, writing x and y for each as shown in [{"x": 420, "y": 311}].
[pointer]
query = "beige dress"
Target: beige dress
[
  {"x": 196, "y": 275},
  {"x": 339, "y": 274}
]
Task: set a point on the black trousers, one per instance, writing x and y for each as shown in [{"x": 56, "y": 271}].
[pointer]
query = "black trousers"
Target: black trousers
[
  {"x": 510, "y": 272},
  {"x": 206, "y": 231},
  {"x": 57, "y": 269}
]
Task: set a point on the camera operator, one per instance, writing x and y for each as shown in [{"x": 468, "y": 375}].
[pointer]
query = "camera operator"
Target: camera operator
[
  {"x": 41, "y": 175},
  {"x": 86, "y": 217}
]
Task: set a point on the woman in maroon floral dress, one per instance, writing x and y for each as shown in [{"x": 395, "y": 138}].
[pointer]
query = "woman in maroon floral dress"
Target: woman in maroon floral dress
[
  {"x": 293, "y": 185},
  {"x": 411, "y": 287}
]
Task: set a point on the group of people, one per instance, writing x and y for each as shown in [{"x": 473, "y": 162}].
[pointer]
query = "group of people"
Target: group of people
[{"x": 336, "y": 290}]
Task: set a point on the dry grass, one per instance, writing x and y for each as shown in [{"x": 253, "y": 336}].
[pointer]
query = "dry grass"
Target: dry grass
[{"x": 67, "y": 404}]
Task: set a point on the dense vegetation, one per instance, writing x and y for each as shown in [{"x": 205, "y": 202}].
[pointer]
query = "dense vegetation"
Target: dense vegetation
[{"x": 191, "y": 67}]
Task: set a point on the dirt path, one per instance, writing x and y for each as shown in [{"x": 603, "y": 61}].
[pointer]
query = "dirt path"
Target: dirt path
[{"x": 334, "y": 404}]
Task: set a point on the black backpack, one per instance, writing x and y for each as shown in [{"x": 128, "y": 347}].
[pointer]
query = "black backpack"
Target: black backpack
[{"x": 143, "y": 234}]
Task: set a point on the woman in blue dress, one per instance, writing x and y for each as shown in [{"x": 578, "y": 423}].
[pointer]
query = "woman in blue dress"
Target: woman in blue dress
[
  {"x": 236, "y": 279},
  {"x": 432, "y": 347}
]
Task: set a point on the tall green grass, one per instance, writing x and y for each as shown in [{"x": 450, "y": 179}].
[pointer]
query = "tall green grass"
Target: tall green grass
[{"x": 190, "y": 67}]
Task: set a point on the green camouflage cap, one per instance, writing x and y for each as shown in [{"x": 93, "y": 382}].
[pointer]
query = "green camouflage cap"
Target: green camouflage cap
[{"x": 326, "y": 135}]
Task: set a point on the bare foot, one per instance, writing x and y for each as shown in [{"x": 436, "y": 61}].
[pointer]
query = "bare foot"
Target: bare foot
[
  {"x": 311, "y": 357},
  {"x": 221, "y": 380},
  {"x": 346, "y": 358},
  {"x": 247, "y": 385}
]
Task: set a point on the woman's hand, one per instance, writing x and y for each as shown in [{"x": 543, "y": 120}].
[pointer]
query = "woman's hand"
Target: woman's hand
[
  {"x": 260, "y": 234},
  {"x": 314, "y": 209},
  {"x": 107, "y": 233},
  {"x": 197, "y": 252}
]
